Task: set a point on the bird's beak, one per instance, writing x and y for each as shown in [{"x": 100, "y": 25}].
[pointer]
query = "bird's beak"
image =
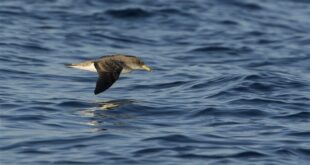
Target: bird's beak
[{"x": 146, "y": 68}]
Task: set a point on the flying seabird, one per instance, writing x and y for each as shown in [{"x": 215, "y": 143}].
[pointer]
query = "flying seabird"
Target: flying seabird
[{"x": 109, "y": 68}]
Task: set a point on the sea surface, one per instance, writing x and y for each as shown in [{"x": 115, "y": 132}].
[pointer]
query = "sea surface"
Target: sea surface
[{"x": 230, "y": 82}]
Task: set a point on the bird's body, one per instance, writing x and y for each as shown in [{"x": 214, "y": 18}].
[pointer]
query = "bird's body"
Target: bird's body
[{"x": 109, "y": 68}]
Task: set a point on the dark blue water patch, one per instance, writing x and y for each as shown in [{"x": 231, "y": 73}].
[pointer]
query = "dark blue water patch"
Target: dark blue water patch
[
  {"x": 64, "y": 142},
  {"x": 12, "y": 11},
  {"x": 286, "y": 27},
  {"x": 123, "y": 38},
  {"x": 224, "y": 124},
  {"x": 172, "y": 11},
  {"x": 35, "y": 107},
  {"x": 75, "y": 78},
  {"x": 9, "y": 105},
  {"x": 285, "y": 152},
  {"x": 305, "y": 134},
  {"x": 218, "y": 52},
  {"x": 254, "y": 101},
  {"x": 222, "y": 112},
  {"x": 266, "y": 41},
  {"x": 54, "y": 125},
  {"x": 260, "y": 87},
  {"x": 104, "y": 3},
  {"x": 289, "y": 60},
  {"x": 100, "y": 153},
  {"x": 228, "y": 22},
  {"x": 299, "y": 115},
  {"x": 252, "y": 77},
  {"x": 221, "y": 49},
  {"x": 69, "y": 162},
  {"x": 253, "y": 88},
  {"x": 255, "y": 33},
  {"x": 30, "y": 59},
  {"x": 34, "y": 152},
  {"x": 183, "y": 75},
  {"x": 28, "y": 47},
  {"x": 173, "y": 139},
  {"x": 293, "y": 97},
  {"x": 132, "y": 13},
  {"x": 212, "y": 48},
  {"x": 6, "y": 57},
  {"x": 217, "y": 81},
  {"x": 14, "y": 71},
  {"x": 73, "y": 36},
  {"x": 305, "y": 152},
  {"x": 101, "y": 36},
  {"x": 24, "y": 117},
  {"x": 251, "y": 6},
  {"x": 138, "y": 13},
  {"x": 303, "y": 40},
  {"x": 150, "y": 151},
  {"x": 161, "y": 85},
  {"x": 268, "y": 83},
  {"x": 244, "y": 155}
]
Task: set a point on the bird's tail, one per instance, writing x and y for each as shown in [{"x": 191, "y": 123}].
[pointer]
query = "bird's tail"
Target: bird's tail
[{"x": 87, "y": 65}]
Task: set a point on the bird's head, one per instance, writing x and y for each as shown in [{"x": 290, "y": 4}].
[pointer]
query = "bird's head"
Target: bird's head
[
  {"x": 138, "y": 64},
  {"x": 142, "y": 66}
]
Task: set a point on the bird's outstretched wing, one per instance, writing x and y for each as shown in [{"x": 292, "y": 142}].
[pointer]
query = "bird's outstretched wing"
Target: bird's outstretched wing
[{"x": 108, "y": 73}]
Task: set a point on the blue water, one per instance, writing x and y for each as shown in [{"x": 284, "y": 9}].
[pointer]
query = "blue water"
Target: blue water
[{"x": 231, "y": 82}]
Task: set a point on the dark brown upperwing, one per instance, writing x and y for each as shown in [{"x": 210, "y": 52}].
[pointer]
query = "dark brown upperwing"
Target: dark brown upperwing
[{"x": 108, "y": 73}]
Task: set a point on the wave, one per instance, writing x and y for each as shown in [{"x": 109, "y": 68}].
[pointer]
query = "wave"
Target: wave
[
  {"x": 232, "y": 112},
  {"x": 299, "y": 115},
  {"x": 221, "y": 49},
  {"x": 244, "y": 5}
]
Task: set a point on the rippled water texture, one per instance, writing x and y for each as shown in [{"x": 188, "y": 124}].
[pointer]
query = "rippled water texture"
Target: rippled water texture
[{"x": 230, "y": 85}]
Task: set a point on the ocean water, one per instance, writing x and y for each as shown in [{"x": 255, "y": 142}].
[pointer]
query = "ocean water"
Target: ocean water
[{"x": 230, "y": 82}]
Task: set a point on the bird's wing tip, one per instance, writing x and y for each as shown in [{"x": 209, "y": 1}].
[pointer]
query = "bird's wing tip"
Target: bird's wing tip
[{"x": 96, "y": 92}]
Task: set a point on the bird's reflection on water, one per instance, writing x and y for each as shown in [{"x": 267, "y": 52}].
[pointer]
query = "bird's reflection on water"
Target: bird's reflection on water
[
  {"x": 104, "y": 114},
  {"x": 115, "y": 103}
]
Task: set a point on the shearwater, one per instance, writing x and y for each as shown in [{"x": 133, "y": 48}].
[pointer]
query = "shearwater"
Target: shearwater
[{"x": 109, "y": 69}]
